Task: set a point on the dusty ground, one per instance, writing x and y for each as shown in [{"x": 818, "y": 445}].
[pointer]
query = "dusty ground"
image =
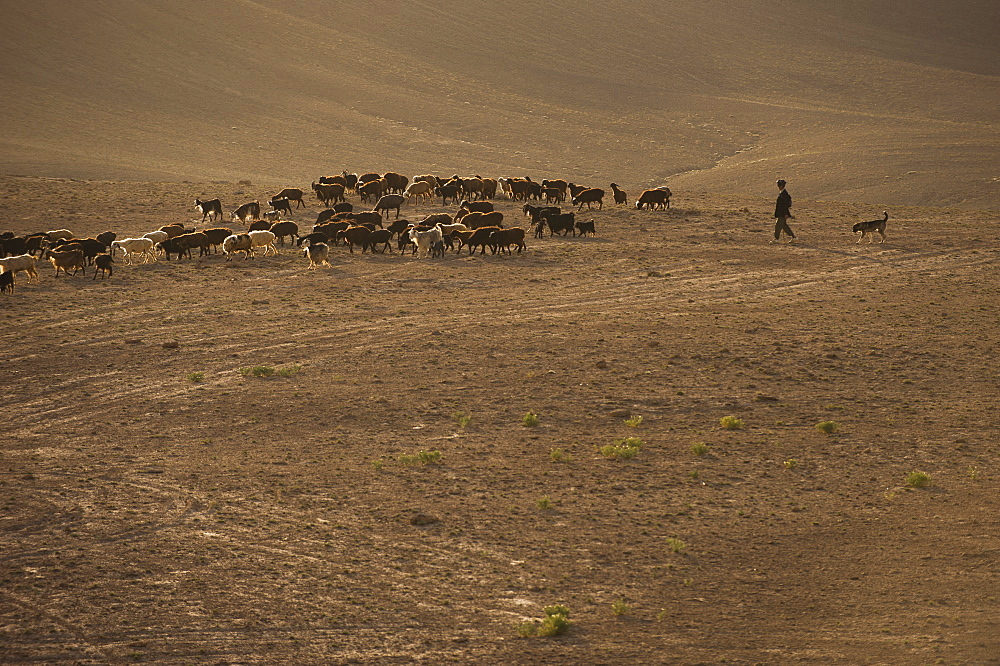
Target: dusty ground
[{"x": 150, "y": 517}]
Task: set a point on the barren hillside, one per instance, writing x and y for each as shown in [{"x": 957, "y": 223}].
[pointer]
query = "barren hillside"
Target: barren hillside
[{"x": 861, "y": 102}]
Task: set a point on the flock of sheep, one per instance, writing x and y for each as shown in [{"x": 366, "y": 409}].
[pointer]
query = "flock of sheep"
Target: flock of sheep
[{"x": 476, "y": 224}]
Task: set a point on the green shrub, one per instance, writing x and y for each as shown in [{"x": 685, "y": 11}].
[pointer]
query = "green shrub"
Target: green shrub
[
  {"x": 559, "y": 455},
  {"x": 676, "y": 545},
  {"x": 257, "y": 371},
  {"x": 699, "y": 448},
  {"x": 791, "y": 462},
  {"x": 196, "y": 377},
  {"x": 918, "y": 479},
  {"x": 377, "y": 464},
  {"x": 556, "y": 622},
  {"x": 623, "y": 449},
  {"x": 463, "y": 420},
  {"x": 620, "y": 607},
  {"x": 829, "y": 427},
  {"x": 544, "y": 503},
  {"x": 530, "y": 420},
  {"x": 289, "y": 371},
  {"x": 731, "y": 423},
  {"x": 633, "y": 421},
  {"x": 421, "y": 458}
]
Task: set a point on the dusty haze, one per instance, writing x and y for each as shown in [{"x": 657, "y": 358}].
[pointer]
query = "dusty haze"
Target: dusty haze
[{"x": 863, "y": 102}]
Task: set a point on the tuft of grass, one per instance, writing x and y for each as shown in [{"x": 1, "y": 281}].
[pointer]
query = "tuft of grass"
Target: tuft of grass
[
  {"x": 918, "y": 479},
  {"x": 790, "y": 463},
  {"x": 556, "y": 622},
  {"x": 544, "y": 503},
  {"x": 620, "y": 607},
  {"x": 377, "y": 464},
  {"x": 290, "y": 371},
  {"x": 421, "y": 458},
  {"x": 623, "y": 449},
  {"x": 829, "y": 427},
  {"x": 731, "y": 423},
  {"x": 462, "y": 419},
  {"x": 972, "y": 472},
  {"x": 676, "y": 545},
  {"x": 699, "y": 448},
  {"x": 633, "y": 421},
  {"x": 196, "y": 377},
  {"x": 257, "y": 371},
  {"x": 559, "y": 455},
  {"x": 530, "y": 420}
]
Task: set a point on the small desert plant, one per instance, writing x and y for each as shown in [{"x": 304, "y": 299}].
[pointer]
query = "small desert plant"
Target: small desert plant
[
  {"x": 462, "y": 419},
  {"x": 421, "y": 458},
  {"x": 556, "y": 622},
  {"x": 973, "y": 472},
  {"x": 791, "y": 462},
  {"x": 289, "y": 371},
  {"x": 544, "y": 503},
  {"x": 257, "y": 371},
  {"x": 676, "y": 545},
  {"x": 731, "y": 423},
  {"x": 196, "y": 377},
  {"x": 699, "y": 448},
  {"x": 377, "y": 464},
  {"x": 828, "y": 427},
  {"x": 530, "y": 420},
  {"x": 623, "y": 449},
  {"x": 559, "y": 455},
  {"x": 620, "y": 607},
  {"x": 918, "y": 479},
  {"x": 633, "y": 421}
]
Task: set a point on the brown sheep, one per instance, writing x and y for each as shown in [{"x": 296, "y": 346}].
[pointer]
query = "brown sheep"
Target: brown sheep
[
  {"x": 283, "y": 229},
  {"x": 620, "y": 196},
  {"x": 478, "y": 220},
  {"x": 292, "y": 194},
  {"x": 502, "y": 239},
  {"x": 356, "y": 236},
  {"x": 67, "y": 259},
  {"x": 395, "y": 182},
  {"x": 591, "y": 196},
  {"x": 329, "y": 192},
  {"x": 658, "y": 198}
]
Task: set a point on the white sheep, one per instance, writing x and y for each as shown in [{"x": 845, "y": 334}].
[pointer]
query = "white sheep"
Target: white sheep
[
  {"x": 59, "y": 234},
  {"x": 426, "y": 240},
  {"x": 237, "y": 243},
  {"x": 143, "y": 247},
  {"x": 20, "y": 262},
  {"x": 264, "y": 239}
]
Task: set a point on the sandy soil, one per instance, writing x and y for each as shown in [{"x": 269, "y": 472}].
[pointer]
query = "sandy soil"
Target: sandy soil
[{"x": 149, "y": 517}]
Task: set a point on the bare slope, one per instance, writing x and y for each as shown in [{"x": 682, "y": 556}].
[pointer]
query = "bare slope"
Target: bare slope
[{"x": 844, "y": 102}]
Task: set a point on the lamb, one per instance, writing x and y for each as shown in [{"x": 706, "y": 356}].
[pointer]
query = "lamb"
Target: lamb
[
  {"x": 260, "y": 225},
  {"x": 21, "y": 262},
  {"x": 103, "y": 263},
  {"x": 655, "y": 198},
  {"x": 389, "y": 201},
  {"x": 558, "y": 184},
  {"x": 371, "y": 190},
  {"x": 264, "y": 239},
  {"x": 238, "y": 243},
  {"x": 272, "y": 216},
  {"x": 489, "y": 188},
  {"x": 67, "y": 259},
  {"x": 318, "y": 253},
  {"x": 141, "y": 247},
  {"x": 591, "y": 196},
  {"x": 620, "y": 196}
]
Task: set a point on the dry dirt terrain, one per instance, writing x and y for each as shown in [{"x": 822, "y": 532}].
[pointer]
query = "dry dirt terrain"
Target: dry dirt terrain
[{"x": 160, "y": 505}]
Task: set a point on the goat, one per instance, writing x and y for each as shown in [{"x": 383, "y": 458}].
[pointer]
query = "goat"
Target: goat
[
  {"x": 389, "y": 201},
  {"x": 103, "y": 263},
  {"x": 292, "y": 194},
  {"x": 21, "y": 262},
  {"x": 238, "y": 243},
  {"x": 281, "y": 230},
  {"x": 248, "y": 212},
  {"x": 448, "y": 191},
  {"x": 426, "y": 240},
  {"x": 586, "y": 228},
  {"x": 264, "y": 239},
  {"x": 67, "y": 259},
  {"x": 656, "y": 198},
  {"x": 318, "y": 253},
  {"x": 279, "y": 204},
  {"x": 575, "y": 190},
  {"x": 211, "y": 208},
  {"x": 143, "y": 247},
  {"x": 620, "y": 196},
  {"x": 6, "y": 282},
  {"x": 33, "y": 243},
  {"x": 591, "y": 196},
  {"x": 314, "y": 237}
]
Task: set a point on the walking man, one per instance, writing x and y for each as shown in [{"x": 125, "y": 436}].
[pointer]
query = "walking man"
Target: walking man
[{"x": 782, "y": 211}]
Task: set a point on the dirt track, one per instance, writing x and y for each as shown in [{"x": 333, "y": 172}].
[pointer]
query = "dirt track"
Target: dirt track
[{"x": 149, "y": 517}]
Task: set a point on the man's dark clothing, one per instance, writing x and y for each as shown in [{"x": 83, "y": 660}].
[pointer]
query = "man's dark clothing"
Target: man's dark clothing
[{"x": 783, "y": 206}]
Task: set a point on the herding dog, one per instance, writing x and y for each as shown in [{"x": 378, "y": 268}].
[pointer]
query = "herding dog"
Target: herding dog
[{"x": 871, "y": 227}]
